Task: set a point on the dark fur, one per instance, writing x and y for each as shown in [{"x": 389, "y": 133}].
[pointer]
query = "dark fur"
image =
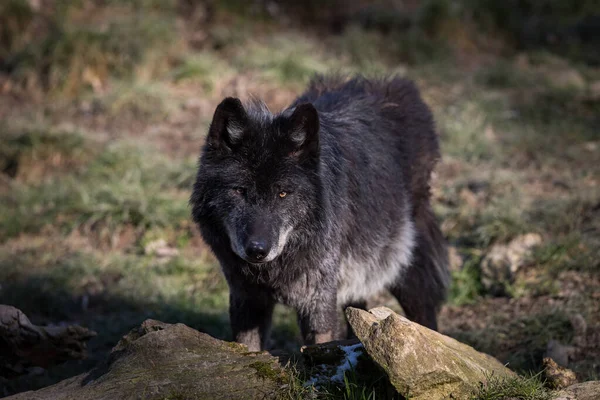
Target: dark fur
[{"x": 355, "y": 159}]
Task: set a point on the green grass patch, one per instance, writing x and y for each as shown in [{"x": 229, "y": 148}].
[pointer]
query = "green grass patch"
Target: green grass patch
[
  {"x": 573, "y": 252},
  {"x": 66, "y": 284},
  {"x": 283, "y": 58},
  {"x": 15, "y": 17},
  {"x": 31, "y": 153},
  {"x": 122, "y": 186},
  {"x": 353, "y": 390},
  {"x": 365, "y": 49},
  {"x": 563, "y": 217},
  {"x": 466, "y": 286},
  {"x": 542, "y": 126},
  {"x": 579, "y": 116},
  {"x": 462, "y": 125},
  {"x": 136, "y": 101},
  {"x": 72, "y": 51},
  {"x": 504, "y": 74},
  {"x": 496, "y": 220},
  {"x": 496, "y": 226},
  {"x": 520, "y": 343},
  {"x": 518, "y": 388},
  {"x": 204, "y": 68},
  {"x": 367, "y": 383}
]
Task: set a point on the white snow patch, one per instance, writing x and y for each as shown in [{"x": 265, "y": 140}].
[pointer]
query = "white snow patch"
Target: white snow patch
[
  {"x": 350, "y": 361},
  {"x": 313, "y": 381}
]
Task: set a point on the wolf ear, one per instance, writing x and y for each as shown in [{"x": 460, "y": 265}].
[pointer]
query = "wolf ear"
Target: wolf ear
[
  {"x": 304, "y": 128},
  {"x": 227, "y": 126}
]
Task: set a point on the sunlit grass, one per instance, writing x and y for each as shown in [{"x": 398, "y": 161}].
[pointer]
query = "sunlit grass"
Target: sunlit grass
[
  {"x": 123, "y": 185},
  {"x": 522, "y": 388}
]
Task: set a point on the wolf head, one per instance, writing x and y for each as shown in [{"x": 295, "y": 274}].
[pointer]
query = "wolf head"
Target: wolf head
[{"x": 257, "y": 182}]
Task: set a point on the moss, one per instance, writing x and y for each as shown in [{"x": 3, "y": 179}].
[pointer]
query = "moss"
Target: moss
[
  {"x": 265, "y": 370},
  {"x": 238, "y": 348},
  {"x": 291, "y": 385}
]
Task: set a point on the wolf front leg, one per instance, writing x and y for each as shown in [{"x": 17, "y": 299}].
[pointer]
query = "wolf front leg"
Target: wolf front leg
[
  {"x": 250, "y": 313},
  {"x": 319, "y": 320}
]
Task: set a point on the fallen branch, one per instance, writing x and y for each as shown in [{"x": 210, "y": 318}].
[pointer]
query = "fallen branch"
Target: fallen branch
[{"x": 24, "y": 345}]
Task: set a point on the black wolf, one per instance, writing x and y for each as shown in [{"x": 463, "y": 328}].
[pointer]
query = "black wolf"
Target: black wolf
[{"x": 322, "y": 205}]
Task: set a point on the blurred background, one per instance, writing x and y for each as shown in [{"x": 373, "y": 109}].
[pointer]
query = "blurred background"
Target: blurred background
[{"x": 104, "y": 105}]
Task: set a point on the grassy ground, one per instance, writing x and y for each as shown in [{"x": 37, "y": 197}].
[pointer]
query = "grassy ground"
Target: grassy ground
[{"x": 103, "y": 119}]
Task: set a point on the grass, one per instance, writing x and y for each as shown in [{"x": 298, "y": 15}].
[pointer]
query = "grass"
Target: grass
[
  {"x": 78, "y": 53},
  {"x": 120, "y": 101},
  {"x": 466, "y": 283},
  {"x": 202, "y": 68},
  {"x": 287, "y": 60},
  {"x": 363, "y": 48},
  {"x": 522, "y": 388},
  {"x": 15, "y": 16},
  {"x": 68, "y": 282},
  {"x": 149, "y": 192},
  {"x": 359, "y": 385},
  {"x": 463, "y": 131},
  {"x": 504, "y": 74},
  {"x": 356, "y": 391},
  {"x": 24, "y": 150},
  {"x": 135, "y": 101},
  {"x": 522, "y": 342},
  {"x": 491, "y": 216}
]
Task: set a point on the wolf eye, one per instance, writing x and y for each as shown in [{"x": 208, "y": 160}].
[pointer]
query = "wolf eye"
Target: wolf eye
[
  {"x": 239, "y": 190},
  {"x": 282, "y": 194}
]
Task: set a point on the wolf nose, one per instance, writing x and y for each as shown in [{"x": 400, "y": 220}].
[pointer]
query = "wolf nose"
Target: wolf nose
[{"x": 257, "y": 250}]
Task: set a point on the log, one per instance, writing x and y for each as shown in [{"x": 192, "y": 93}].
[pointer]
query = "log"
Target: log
[
  {"x": 24, "y": 345},
  {"x": 164, "y": 361}
]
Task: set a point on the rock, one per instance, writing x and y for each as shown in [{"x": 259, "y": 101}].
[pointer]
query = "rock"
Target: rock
[
  {"x": 561, "y": 75},
  {"x": 566, "y": 79},
  {"x": 580, "y": 391},
  {"x": 503, "y": 261},
  {"x": 579, "y": 330},
  {"x": 558, "y": 377},
  {"x": 163, "y": 361},
  {"x": 419, "y": 361},
  {"x": 559, "y": 352},
  {"x": 594, "y": 90}
]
